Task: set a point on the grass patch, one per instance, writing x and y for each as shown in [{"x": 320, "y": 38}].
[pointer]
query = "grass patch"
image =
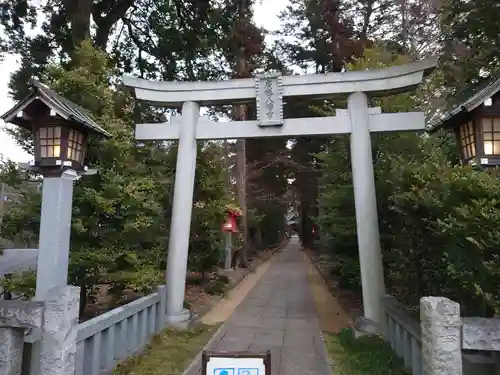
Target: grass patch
[
  {"x": 363, "y": 356},
  {"x": 169, "y": 353},
  {"x": 217, "y": 288}
]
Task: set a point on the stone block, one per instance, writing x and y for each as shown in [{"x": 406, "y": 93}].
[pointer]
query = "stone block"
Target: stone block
[
  {"x": 240, "y": 334},
  {"x": 277, "y": 302},
  {"x": 21, "y": 314},
  {"x": 478, "y": 364},
  {"x": 11, "y": 350},
  {"x": 298, "y": 324},
  {"x": 481, "y": 334},
  {"x": 275, "y": 355},
  {"x": 246, "y": 321},
  {"x": 232, "y": 346},
  {"x": 272, "y": 337},
  {"x": 274, "y": 312},
  {"x": 299, "y": 339},
  {"x": 365, "y": 327},
  {"x": 441, "y": 336},
  {"x": 16, "y": 319},
  {"x": 288, "y": 367},
  {"x": 273, "y": 323},
  {"x": 60, "y": 325},
  {"x": 254, "y": 302}
]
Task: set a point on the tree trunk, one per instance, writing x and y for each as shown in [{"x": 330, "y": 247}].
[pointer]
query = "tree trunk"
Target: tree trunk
[
  {"x": 113, "y": 11},
  {"x": 368, "y": 11},
  {"x": 79, "y": 12},
  {"x": 83, "y": 300}
]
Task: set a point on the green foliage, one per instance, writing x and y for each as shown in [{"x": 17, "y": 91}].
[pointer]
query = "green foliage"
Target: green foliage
[
  {"x": 270, "y": 221},
  {"x": 121, "y": 215},
  {"x": 168, "y": 352},
  {"x": 440, "y": 228},
  {"x": 368, "y": 355},
  {"x": 22, "y": 283},
  {"x": 470, "y": 42},
  {"x": 219, "y": 286},
  {"x": 438, "y": 221}
]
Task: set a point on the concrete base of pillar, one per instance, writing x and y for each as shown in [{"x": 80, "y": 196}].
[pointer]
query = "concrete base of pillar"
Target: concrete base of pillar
[
  {"x": 180, "y": 320},
  {"x": 365, "y": 327}
]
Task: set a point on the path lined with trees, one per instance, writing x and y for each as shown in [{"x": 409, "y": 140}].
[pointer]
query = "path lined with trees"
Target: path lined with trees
[{"x": 438, "y": 222}]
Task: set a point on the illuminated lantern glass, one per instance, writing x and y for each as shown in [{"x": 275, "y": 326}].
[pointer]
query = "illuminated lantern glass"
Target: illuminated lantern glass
[{"x": 49, "y": 141}]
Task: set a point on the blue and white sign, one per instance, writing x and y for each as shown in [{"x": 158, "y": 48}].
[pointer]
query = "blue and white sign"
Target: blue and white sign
[
  {"x": 235, "y": 366},
  {"x": 224, "y": 371},
  {"x": 248, "y": 371}
]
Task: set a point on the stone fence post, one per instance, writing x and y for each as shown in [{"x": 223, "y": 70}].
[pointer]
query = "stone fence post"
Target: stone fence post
[
  {"x": 60, "y": 326},
  {"x": 15, "y": 318},
  {"x": 441, "y": 336}
]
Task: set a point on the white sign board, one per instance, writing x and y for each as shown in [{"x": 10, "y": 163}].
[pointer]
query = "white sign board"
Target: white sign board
[{"x": 236, "y": 364}]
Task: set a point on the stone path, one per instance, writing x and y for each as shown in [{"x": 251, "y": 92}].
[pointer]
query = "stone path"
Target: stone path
[{"x": 279, "y": 315}]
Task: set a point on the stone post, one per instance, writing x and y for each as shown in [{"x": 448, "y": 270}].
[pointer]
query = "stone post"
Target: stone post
[
  {"x": 55, "y": 230},
  {"x": 15, "y": 318},
  {"x": 11, "y": 350},
  {"x": 181, "y": 215},
  {"x": 441, "y": 336},
  {"x": 54, "y": 240},
  {"x": 60, "y": 321},
  {"x": 229, "y": 251},
  {"x": 370, "y": 255},
  {"x": 161, "y": 308}
]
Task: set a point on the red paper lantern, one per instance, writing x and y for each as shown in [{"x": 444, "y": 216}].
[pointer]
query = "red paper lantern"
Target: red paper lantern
[{"x": 230, "y": 223}]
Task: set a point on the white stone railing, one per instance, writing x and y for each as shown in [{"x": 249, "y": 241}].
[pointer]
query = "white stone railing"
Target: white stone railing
[
  {"x": 107, "y": 339},
  {"x": 451, "y": 344},
  {"x": 402, "y": 332}
]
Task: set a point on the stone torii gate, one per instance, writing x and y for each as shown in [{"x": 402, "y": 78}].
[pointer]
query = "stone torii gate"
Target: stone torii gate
[{"x": 270, "y": 91}]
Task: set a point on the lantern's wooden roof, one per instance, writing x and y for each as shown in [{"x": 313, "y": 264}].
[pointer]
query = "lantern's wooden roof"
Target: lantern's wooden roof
[
  {"x": 473, "y": 99},
  {"x": 62, "y": 106}
]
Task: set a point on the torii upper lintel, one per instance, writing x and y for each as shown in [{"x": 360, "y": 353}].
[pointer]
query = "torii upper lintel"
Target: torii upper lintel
[{"x": 375, "y": 82}]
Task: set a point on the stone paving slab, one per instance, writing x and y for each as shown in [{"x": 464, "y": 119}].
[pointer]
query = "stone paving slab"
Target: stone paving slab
[{"x": 279, "y": 315}]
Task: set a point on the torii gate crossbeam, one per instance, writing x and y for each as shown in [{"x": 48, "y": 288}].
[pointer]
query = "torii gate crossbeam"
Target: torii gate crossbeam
[{"x": 269, "y": 92}]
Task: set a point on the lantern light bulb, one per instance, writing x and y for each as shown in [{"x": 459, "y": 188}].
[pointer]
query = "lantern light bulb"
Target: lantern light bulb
[{"x": 488, "y": 147}]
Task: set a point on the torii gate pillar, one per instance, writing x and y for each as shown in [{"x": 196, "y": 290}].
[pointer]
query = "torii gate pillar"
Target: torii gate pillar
[
  {"x": 269, "y": 91},
  {"x": 370, "y": 254},
  {"x": 178, "y": 244}
]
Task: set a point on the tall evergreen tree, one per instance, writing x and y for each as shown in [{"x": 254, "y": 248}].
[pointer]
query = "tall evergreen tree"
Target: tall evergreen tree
[
  {"x": 471, "y": 47},
  {"x": 121, "y": 215}
]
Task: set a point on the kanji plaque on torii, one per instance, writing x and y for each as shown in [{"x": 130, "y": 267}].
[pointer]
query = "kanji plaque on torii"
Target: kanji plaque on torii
[{"x": 269, "y": 99}]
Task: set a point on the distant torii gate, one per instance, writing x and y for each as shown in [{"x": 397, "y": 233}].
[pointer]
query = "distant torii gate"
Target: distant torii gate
[{"x": 269, "y": 91}]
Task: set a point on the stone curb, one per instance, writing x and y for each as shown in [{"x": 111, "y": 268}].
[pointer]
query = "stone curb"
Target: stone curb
[
  {"x": 331, "y": 288},
  {"x": 216, "y": 336},
  {"x": 322, "y": 347}
]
